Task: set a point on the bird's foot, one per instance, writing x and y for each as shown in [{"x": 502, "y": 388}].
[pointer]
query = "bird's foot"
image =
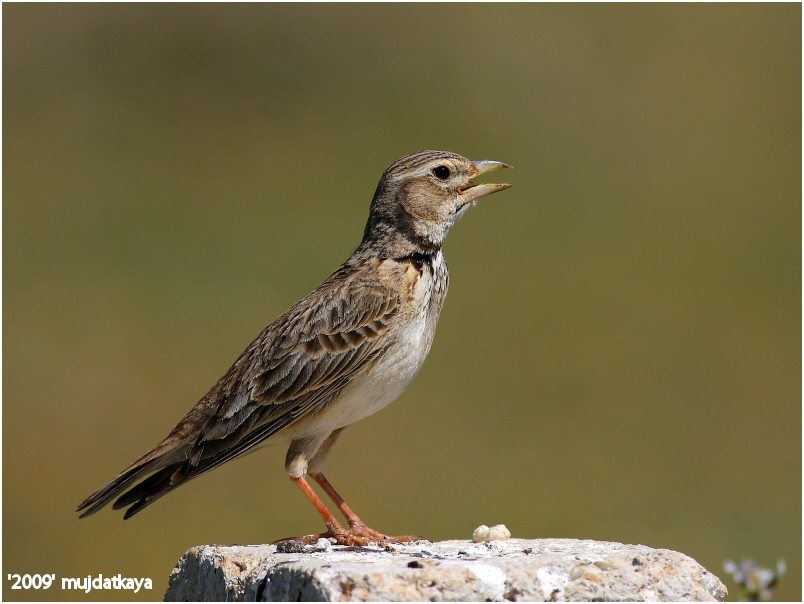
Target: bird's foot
[
  {"x": 357, "y": 534},
  {"x": 361, "y": 529}
]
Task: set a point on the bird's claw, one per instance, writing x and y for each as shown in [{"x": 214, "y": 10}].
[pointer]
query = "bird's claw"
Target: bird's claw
[
  {"x": 358, "y": 535},
  {"x": 359, "y": 528}
]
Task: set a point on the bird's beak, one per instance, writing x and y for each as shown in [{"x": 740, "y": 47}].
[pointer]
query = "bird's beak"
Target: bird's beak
[{"x": 474, "y": 192}]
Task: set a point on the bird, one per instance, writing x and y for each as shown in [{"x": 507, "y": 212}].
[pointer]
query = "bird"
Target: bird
[{"x": 340, "y": 354}]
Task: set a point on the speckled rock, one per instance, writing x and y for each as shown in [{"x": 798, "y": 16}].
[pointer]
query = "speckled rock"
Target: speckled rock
[{"x": 516, "y": 569}]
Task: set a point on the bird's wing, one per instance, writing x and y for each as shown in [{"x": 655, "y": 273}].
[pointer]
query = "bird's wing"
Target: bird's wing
[{"x": 296, "y": 365}]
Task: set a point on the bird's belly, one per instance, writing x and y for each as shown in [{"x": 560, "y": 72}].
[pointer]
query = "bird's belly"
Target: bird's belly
[{"x": 384, "y": 382}]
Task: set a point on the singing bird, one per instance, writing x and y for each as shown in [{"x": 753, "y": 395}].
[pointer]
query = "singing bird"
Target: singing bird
[{"x": 345, "y": 351}]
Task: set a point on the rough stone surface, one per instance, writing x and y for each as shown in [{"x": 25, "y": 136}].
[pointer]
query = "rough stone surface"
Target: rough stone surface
[{"x": 514, "y": 569}]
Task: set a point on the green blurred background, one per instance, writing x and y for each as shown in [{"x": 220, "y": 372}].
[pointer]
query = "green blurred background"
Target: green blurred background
[{"x": 619, "y": 355}]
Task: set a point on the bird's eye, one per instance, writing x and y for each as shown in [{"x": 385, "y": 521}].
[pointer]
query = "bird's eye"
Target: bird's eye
[{"x": 441, "y": 172}]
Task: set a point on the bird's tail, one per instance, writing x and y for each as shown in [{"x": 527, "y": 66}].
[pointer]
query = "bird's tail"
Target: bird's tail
[{"x": 152, "y": 475}]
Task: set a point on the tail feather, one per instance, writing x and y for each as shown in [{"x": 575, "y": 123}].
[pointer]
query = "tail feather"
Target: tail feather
[
  {"x": 152, "y": 488},
  {"x": 113, "y": 488},
  {"x": 171, "y": 464},
  {"x": 145, "y": 481},
  {"x": 155, "y": 461}
]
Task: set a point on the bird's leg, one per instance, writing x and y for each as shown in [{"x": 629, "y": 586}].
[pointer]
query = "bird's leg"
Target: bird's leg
[
  {"x": 299, "y": 463},
  {"x": 334, "y": 528},
  {"x": 355, "y": 523},
  {"x": 357, "y": 526}
]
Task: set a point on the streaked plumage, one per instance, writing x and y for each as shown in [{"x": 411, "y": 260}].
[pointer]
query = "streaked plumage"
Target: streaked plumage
[{"x": 340, "y": 354}]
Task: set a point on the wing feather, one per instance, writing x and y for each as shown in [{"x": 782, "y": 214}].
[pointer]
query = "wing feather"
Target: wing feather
[
  {"x": 322, "y": 345},
  {"x": 297, "y": 365}
]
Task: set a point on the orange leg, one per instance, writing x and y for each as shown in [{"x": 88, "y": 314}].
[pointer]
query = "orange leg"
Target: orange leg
[
  {"x": 357, "y": 533},
  {"x": 334, "y": 528},
  {"x": 357, "y": 526},
  {"x": 333, "y": 494}
]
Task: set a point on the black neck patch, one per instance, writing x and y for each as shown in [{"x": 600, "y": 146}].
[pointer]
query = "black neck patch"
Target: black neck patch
[{"x": 419, "y": 260}]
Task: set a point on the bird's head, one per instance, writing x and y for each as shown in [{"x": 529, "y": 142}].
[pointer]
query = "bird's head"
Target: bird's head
[{"x": 421, "y": 196}]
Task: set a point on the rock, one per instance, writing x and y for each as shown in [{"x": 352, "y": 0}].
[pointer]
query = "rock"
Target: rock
[{"x": 514, "y": 569}]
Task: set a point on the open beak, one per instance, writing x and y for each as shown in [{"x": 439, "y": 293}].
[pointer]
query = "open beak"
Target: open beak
[{"x": 474, "y": 192}]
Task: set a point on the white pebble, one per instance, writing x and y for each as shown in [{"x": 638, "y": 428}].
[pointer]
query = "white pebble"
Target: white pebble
[
  {"x": 498, "y": 532},
  {"x": 322, "y": 545},
  {"x": 481, "y": 534}
]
